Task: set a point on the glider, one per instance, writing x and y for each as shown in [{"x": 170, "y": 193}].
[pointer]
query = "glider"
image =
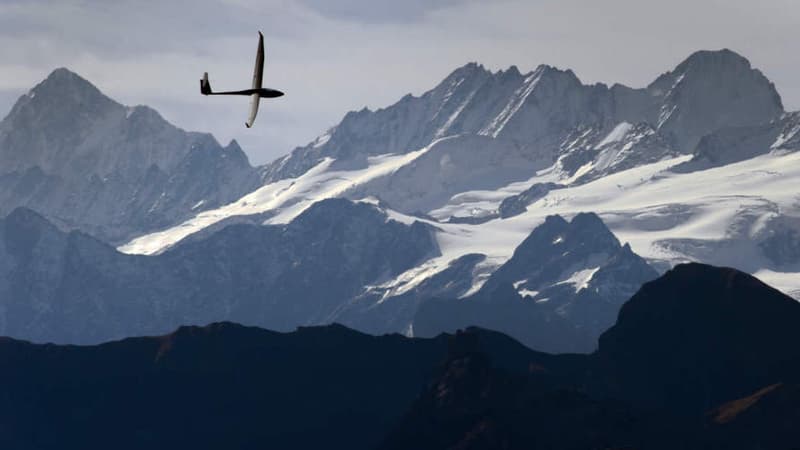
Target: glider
[{"x": 256, "y": 93}]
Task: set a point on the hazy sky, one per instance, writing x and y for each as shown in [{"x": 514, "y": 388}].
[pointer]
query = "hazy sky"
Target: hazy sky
[{"x": 333, "y": 56}]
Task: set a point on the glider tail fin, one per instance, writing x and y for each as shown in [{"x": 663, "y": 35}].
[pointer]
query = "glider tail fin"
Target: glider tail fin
[{"x": 205, "y": 86}]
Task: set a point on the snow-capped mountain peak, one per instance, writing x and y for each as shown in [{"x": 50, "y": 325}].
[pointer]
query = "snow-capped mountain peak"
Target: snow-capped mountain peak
[
  {"x": 712, "y": 90},
  {"x": 85, "y": 161},
  {"x": 486, "y": 156},
  {"x": 65, "y": 85}
]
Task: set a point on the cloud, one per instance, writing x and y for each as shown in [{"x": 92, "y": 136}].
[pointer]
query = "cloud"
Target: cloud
[
  {"x": 379, "y": 11},
  {"x": 331, "y": 57}
]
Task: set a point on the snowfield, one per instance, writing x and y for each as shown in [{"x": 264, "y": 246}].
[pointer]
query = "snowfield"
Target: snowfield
[
  {"x": 544, "y": 143},
  {"x": 716, "y": 216},
  {"x": 285, "y": 198}
]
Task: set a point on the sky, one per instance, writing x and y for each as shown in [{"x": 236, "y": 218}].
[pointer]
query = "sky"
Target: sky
[{"x": 333, "y": 56}]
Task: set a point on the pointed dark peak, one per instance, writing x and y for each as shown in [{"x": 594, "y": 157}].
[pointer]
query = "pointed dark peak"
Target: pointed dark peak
[
  {"x": 64, "y": 84},
  {"x": 694, "y": 322},
  {"x": 22, "y": 230},
  {"x": 585, "y": 230},
  {"x": 555, "y": 221},
  {"x": 587, "y": 219},
  {"x": 361, "y": 112},
  {"x": 63, "y": 99},
  {"x": 621, "y": 88},
  {"x": 204, "y": 146},
  {"x": 408, "y": 97},
  {"x": 624, "y": 264},
  {"x": 353, "y": 115},
  {"x": 468, "y": 70},
  {"x": 545, "y": 233},
  {"x": 64, "y": 77},
  {"x": 22, "y": 223},
  {"x": 706, "y": 61},
  {"x": 512, "y": 71},
  {"x": 714, "y": 60},
  {"x": 553, "y": 75},
  {"x": 470, "y": 74},
  {"x": 25, "y": 217},
  {"x": 234, "y": 147},
  {"x": 334, "y": 210},
  {"x": 722, "y": 65},
  {"x": 141, "y": 118},
  {"x": 696, "y": 303},
  {"x": 233, "y": 151},
  {"x": 143, "y": 113},
  {"x": 709, "y": 91},
  {"x": 548, "y": 70}
]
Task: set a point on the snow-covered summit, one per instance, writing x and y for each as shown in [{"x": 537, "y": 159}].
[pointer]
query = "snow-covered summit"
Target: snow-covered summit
[
  {"x": 540, "y": 109},
  {"x": 87, "y": 162},
  {"x": 693, "y": 167}
]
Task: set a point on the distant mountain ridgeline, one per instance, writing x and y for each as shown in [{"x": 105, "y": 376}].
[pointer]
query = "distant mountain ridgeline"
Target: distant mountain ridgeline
[
  {"x": 71, "y": 288},
  {"x": 89, "y": 163},
  {"x": 700, "y": 358},
  {"x": 482, "y": 187},
  {"x": 562, "y": 288},
  {"x": 697, "y": 166}
]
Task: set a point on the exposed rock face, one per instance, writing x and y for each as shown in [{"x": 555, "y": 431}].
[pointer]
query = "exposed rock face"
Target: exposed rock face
[
  {"x": 695, "y": 324},
  {"x": 559, "y": 291},
  {"x": 503, "y": 127},
  {"x": 736, "y": 144},
  {"x": 703, "y": 357},
  {"x": 453, "y": 165},
  {"x": 711, "y": 90},
  {"x": 88, "y": 163},
  {"x": 384, "y": 310},
  {"x": 70, "y": 288}
]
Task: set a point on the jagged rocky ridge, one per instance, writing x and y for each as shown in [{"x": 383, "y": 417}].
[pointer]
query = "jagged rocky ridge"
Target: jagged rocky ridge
[
  {"x": 559, "y": 291},
  {"x": 89, "y": 163},
  {"x": 546, "y": 110},
  {"x": 466, "y": 157},
  {"x": 71, "y": 288},
  {"x": 701, "y": 358},
  {"x": 488, "y": 154}
]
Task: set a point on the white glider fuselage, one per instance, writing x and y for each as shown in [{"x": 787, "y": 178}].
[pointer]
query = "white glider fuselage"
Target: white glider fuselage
[{"x": 256, "y": 92}]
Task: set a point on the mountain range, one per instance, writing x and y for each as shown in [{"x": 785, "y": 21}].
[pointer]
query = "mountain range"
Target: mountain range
[
  {"x": 699, "y": 358},
  {"x": 702, "y": 357},
  {"x": 71, "y": 288},
  {"x": 91, "y": 164},
  {"x": 565, "y": 283},
  {"x": 554, "y": 215},
  {"x": 697, "y": 166},
  {"x": 528, "y": 203}
]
